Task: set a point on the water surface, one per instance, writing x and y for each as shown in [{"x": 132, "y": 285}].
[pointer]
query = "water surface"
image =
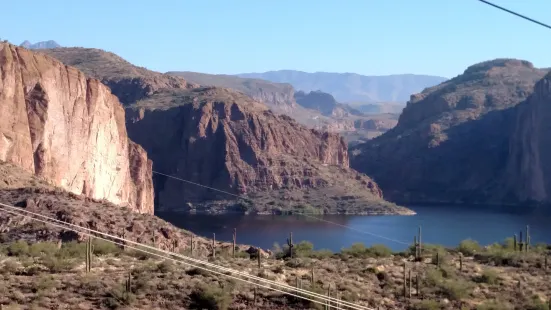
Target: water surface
[{"x": 441, "y": 225}]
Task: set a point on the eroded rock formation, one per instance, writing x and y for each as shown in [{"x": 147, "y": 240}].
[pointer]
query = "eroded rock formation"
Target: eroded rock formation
[
  {"x": 224, "y": 139},
  {"x": 70, "y": 130},
  {"x": 452, "y": 143}
]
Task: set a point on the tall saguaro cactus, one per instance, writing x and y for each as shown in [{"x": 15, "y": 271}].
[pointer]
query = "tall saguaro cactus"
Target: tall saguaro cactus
[
  {"x": 89, "y": 252},
  {"x": 234, "y": 241},
  {"x": 290, "y": 244}
]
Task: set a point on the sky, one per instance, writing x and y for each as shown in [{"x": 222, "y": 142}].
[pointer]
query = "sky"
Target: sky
[{"x": 371, "y": 37}]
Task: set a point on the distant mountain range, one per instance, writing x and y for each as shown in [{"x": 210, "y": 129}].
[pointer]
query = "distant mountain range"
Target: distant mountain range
[
  {"x": 352, "y": 87},
  {"x": 40, "y": 45}
]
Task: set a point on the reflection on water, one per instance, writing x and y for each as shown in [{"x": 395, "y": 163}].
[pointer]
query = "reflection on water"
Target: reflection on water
[{"x": 442, "y": 225}]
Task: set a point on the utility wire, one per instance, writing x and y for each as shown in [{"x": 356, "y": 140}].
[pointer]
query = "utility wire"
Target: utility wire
[
  {"x": 95, "y": 233},
  {"x": 515, "y": 13},
  {"x": 247, "y": 199}
]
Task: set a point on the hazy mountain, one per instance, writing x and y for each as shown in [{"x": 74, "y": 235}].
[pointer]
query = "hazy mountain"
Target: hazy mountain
[
  {"x": 352, "y": 87},
  {"x": 40, "y": 45}
]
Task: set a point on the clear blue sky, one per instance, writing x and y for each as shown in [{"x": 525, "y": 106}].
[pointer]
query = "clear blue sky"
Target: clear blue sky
[{"x": 373, "y": 37}]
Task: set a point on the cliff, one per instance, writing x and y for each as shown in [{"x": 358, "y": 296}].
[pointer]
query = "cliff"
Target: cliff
[
  {"x": 126, "y": 81},
  {"x": 224, "y": 139},
  {"x": 528, "y": 174},
  {"x": 278, "y": 96},
  {"x": 69, "y": 130},
  {"x": 452, "y": 141}
]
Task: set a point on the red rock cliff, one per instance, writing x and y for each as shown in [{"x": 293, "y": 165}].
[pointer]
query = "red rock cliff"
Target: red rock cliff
[
  {"x": 226, "y": 140},
  {"x": 69, "y": 129}
]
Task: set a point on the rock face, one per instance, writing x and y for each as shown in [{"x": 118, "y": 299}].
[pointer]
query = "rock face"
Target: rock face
[
  {"x": 453, "y": 142},
  {"x": 225, "y": 140},
  {"x": 278, "y": 96},
  {"x": 528, "y": 171},
  {"x": 128, "y": 82},
  {"x": 324, "y": 103},
  {"x": 69, "y": 130}
]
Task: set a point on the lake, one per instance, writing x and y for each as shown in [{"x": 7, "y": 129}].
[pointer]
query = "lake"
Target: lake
[{"x": 440, "y": 225}]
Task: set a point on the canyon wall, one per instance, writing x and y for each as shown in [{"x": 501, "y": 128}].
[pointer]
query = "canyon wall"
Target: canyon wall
[{"x": 70, "y": 130}]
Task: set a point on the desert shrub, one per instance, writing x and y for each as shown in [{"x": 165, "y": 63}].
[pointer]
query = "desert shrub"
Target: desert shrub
[
  {"x": 18, "y": 248},
  {"x": 321, "y": 254},
  {"x": 427, "y": 304},
  {"x": 210, "y": 298},
  {"x": 488, "y": 276},
  {"x": 447, "y": 284},
  {"x": 494, "y": 305},
  {"x": 40, "y": 249},
  {"x": 72, "y": 249},
  {"x": 303, "y": 249},
  {"x": 165, "y": 266},
  {"x": 197, "y": 271},
  {"x": 455, "y": 289},
  {"x": 9, "y": 267},
  {"x": 535, "y": 303},
  {"x": 102, "y": 247},
  {"x": 44, "y": 283},
  {"x": 360, "y": 250},
  {"x": 58, "y": 265},
  {"x": 469, "y": 247},
  {"x": 379, "y": 250}
]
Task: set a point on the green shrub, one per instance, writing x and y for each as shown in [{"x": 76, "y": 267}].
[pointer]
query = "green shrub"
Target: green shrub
[
  {"x": 494, "y": 305},
  {"x": 380, "y": 250},
  {"x": 469, "y": 247},
  {"x": 102, "y": 247},
  {"x": 58, "y": 265},
  {"x": 72, "y": 249},
  {"x": 360, "y": 250},
  {"x": 427, "y": 304},
  {"x": 303, "y": 249},
  {"x": 210, "y": 298},
  {"x": 40, "y": 249},
  {"x": 18, "y": 248},
  {"x": 9, "y": 267},
  {"x": 488, "y": 276},
  {"x": 165, "y": 266}
]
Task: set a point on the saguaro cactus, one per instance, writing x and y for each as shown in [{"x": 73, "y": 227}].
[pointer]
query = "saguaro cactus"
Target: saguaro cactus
[
  {"x": 290, "y": 244},
  {"x": 234, "y": 241},
  {"x": 213, "y": 245},
  {"x": 89, "y": 252}
]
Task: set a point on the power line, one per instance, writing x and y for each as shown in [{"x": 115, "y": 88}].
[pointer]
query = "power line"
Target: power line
[
  {"x": 95, "y": 233},
  {"x": 247, "y": 199},
  {"x": 515, "y": 13}
]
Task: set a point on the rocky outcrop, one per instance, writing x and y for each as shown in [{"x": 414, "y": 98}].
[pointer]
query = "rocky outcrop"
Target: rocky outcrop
[
  {"x": 128, "y": 82},
  {"x": 324, "y": 103},
  {"x": 528, "y": 174},
  {"x": 375, "y": 124},
  {"x": 223, "y": 139},
  {"x": 278, "y": 96},
  {"x": 70, "y": 130},
  {"x": 452, "y": 141}
]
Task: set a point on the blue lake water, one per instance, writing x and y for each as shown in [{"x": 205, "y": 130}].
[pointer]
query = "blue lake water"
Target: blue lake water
[{"x": 440, "y": 225}]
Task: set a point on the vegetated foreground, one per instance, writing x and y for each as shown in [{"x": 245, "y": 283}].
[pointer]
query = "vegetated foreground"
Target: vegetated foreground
[
  {"x": 47, "y": 276},
  {"x": 44, "y": 268}
]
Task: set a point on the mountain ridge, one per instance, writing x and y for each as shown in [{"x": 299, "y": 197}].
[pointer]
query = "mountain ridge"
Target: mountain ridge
[
  {"x": 350, "y": 87},
  {"x": 453, "y": 141}
]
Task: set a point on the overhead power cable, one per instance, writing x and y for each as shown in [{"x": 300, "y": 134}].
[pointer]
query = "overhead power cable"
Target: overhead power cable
[
  {"x": 305, "y": 215},
  {"x": 170, "y": 255},
  {"x": 516, "y": 14}
]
